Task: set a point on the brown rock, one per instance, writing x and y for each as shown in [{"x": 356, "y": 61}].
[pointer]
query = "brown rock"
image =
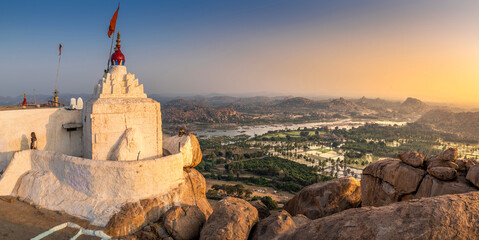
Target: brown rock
[
  {"x": 263, "y": 210},
  {"x": 449, "y": 155},
  {"x": 323, "y": 199},
  {"x": 184, "y": 223},
  {"x": 135, "y": 215},
  {"x": 436, "y": 161},
  {"x": 473, "y": 175},
  {"x": 195, "y": 193},
  {"x": 431, "y": 187},
  {"x": 232, "y": 218},
  {"x": 130, "y": 218},
  {"x": 273, "y": 225},
  {"x": 443, "y": 217},
  {"x": 145, "y": 235},
  {"x": 376, "y": 192},
  {"x": 8, "y": 199},
  {"x": 412, "y": 158},
  {"x": 300, "y": 220},
  {"x": 386, "y": 181},
  {"x": 464, "y": 165},
  {"x": 443, "y": 173},
  {"x": 197, "y": 155}
]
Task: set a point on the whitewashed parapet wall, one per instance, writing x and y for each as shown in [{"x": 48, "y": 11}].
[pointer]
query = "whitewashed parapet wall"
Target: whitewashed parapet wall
[
  {"x": 93, "y": 189},
  {"x": 16, "y": 126},
  {"x": 120, "y": 123}
]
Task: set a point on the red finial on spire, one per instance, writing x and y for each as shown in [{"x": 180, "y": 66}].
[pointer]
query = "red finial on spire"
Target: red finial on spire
[
  {"x": 117, "y": 58},
  {"x": 24, "y": 99}
]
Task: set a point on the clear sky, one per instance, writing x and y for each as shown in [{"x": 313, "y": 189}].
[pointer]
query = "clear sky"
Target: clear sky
[{"x": 376, "y": 48}]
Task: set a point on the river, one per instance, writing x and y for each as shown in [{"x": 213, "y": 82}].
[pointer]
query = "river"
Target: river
[{"x": 262, "y": 129}]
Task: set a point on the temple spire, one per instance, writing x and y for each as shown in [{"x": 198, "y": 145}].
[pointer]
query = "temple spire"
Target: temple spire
[{"x": 118, "y": 58}]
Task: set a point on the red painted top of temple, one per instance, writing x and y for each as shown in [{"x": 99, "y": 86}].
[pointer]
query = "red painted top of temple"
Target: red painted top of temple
[{"x": 117, "y": 58}]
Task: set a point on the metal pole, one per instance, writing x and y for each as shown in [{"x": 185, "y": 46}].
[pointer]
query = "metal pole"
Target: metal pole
[
  {"x": 58, "y": 69},
  {"x": 109, "y": 56},
  {"x": 34, "y": 97}
]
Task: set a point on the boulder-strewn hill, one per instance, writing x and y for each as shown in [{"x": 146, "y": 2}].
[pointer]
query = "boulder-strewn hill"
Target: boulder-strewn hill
[
  {"x": 413, "y": 105},
  {"x": 463, "y": 123},
  {"x": 296, "y": 102},
  {"x": 184, "y": 111}
]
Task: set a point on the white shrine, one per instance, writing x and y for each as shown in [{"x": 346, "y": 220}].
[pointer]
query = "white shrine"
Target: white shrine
[
  {"x": 99, "y": 162},
  {"x": 120, "y": 123}
]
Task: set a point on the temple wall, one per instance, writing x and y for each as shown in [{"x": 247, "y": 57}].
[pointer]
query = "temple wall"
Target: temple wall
[
  {"x": 99, "y": 179},
  {"x": 122, "y": 129},
  {"x": 16, "y": 126},
  {"x": 94, "y": 189}
]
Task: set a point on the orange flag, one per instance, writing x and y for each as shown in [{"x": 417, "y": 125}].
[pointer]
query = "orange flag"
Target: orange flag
[
  {"x": 60, "y": 49},
  {"x": 111, "y": 29}
]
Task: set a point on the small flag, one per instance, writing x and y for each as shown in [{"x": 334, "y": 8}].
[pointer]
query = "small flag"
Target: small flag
[
  {"x": 111, "y": 29},
  {"x": 60, "y": 49}
]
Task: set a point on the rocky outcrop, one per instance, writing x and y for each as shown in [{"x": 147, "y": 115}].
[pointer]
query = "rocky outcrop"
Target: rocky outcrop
[
  {"x": 232, "y": 218},
  {"x": 443, "y": 173},
  {"x": 442, "y": 217},
  {"x": 196, "y": 150},
  {"x": 473, "y": 175},
  {"x": 449, "y": 155},
  {"x": 412, "y": 158},
  {"x": 273, "y": 225},
  {"x": 184, "y": 222},
  {"x": 388, "y": 181},
  {"x": 263, "y": 210},
  {"x": 464, "y": 165},
  {"x": 323, "y": 199},
  {"x": 300, "y": 220},
  {"x": 135, "y": 215},
  {"x": 432, "y": 186}
]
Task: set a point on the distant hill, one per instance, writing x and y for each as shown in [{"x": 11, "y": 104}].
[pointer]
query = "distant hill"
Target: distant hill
[
  {"x": 463, "y": 123},
  {"x": 414, "y": 105},
  {"x": 296, "y": 102},
  {"x": 343, "y": 105},
  {"x": 185, "y": 111}
]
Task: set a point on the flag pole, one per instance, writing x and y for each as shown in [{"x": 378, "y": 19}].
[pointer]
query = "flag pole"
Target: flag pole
[
  {"x": 112, "y": 22},
  {"x": 109, "y": 56},
  {"x": 55, "y": 92}
]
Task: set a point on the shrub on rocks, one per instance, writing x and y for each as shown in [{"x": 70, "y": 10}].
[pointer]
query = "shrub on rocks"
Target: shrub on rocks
[{"x": 263, "y": 210}]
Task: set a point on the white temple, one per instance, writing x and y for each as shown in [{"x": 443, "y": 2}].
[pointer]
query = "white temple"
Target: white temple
[
  {"x": 90, "y": 163},
  {"x": 120, "y": 123}
]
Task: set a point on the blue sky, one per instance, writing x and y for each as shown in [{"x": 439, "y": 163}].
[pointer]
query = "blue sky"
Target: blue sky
[{"x": 302, "y": 47}]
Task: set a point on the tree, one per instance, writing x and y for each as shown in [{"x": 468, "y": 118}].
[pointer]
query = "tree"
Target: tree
[{"x": 269, "y": 202}]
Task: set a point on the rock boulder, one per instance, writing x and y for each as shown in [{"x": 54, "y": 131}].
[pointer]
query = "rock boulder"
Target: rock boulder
[
  {"x": 300, "y": 220},
  {"x": 323, "y": 199},
  {"x": 135, "y": 215},
  {"x": 184, "y": 222},
  {"x": 232, "y": 218},
  {"x": 412, "y": 158},
  {"x": 431, "y": 187},
  {"x": 443, "y": 217},
  {"x": 387, "y": 181},
  {"x": 443, "y": 173},
  {"x": 263, "y": 210},
  {"x": 273, "y": 225},
  {"x": 473, "y": 175},
  {"x": 449, "y": 155}
]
